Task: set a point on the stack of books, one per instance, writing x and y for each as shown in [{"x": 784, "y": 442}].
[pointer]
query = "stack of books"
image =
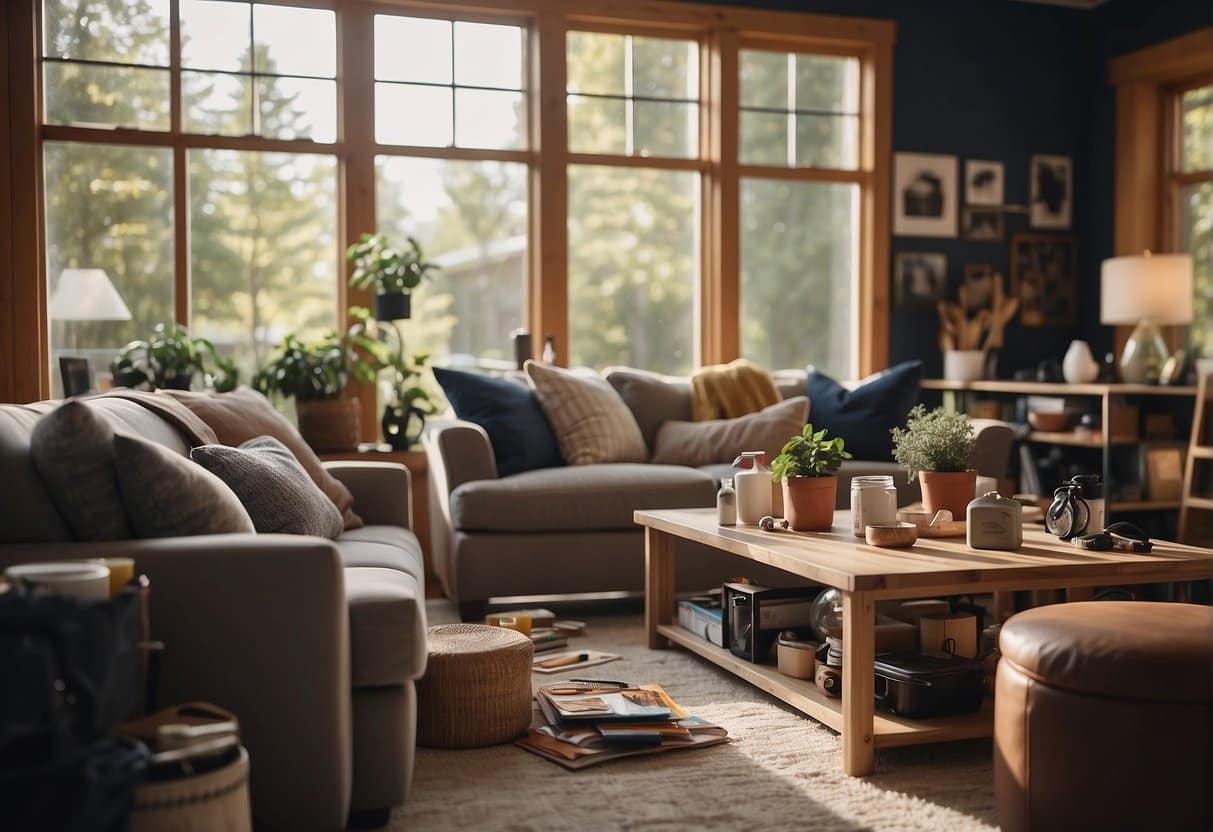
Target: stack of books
[
  {"x": 546, "y": 639},
  {"x": 586, "y": 723}
]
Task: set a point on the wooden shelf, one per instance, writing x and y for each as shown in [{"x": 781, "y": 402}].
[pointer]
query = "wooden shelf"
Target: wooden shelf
[
  {"x": 1046, "y": 388},
  {"x": 806, "y": 697},
  {"x": 1145, "y": 505},
  {"x": 1072, "y": 439}
]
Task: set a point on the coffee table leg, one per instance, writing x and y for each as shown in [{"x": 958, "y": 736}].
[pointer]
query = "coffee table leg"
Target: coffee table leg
[
  {"x": 658, "y": 585},
  {"x": 858, "y": 683}
]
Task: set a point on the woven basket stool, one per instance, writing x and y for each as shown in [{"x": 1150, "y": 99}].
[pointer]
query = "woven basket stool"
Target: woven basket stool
[{"x": 477, "y": 687}]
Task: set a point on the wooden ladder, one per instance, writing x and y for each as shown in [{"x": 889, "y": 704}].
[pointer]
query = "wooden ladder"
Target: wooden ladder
[{"x": 1198, "y": 449}]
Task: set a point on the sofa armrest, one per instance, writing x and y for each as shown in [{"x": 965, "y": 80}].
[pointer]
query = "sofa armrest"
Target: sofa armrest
[
  {"x": 257, "y": 624},
  {"x": 458, "y": 452},
  {"x": 382, "y": 490}
]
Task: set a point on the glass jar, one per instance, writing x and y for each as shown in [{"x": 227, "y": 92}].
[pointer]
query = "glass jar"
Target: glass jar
[
  {"x": 873, "y": 500},
  {"x": 726, "y": 503}
]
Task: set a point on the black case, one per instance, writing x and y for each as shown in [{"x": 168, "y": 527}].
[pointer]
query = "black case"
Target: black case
[
  {"x": 742, "y": 617},
  {"x": 929, "y": 684}
]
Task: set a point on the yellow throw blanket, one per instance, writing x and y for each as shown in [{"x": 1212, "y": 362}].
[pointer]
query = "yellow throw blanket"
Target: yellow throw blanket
[{"x": 726, "y": 391}]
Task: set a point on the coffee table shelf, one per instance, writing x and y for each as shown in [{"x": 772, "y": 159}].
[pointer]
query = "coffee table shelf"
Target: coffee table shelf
[{"x": 803, "y": 695}]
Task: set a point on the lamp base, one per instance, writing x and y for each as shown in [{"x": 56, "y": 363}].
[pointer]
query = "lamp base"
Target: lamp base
[{"x": 1144, "y": 354}]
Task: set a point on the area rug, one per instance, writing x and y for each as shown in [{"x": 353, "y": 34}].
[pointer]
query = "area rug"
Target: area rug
[{"x": 781, "y": 770}]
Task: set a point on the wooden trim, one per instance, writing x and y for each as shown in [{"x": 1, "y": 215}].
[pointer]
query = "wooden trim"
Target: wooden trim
[
  {"x": 807, "y": 174},
  {"x": 720, "y": 283},
  {"x": 876, "y": 157},
  {"x": 461, "y": 153},
  {"x": 657, "y": 162},
  {"x": 164, "y": 138},
  {"x": 547, "y": 278},
  {"x": 8, "y": 308},
  {"x": 181, "y": 201},
  {"x": 1187, "y": 55}
]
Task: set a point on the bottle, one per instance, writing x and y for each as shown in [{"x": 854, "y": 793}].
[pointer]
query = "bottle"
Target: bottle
[
  {"x": 549, "y": 349},
  {"x": 873, "y": 500},
  {"x": 753, "y": 487},
  {"x": 726, "y": 503}
]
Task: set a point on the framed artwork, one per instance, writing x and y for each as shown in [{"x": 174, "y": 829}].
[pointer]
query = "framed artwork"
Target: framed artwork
[
  {"x": 1052, "y": 192},
  {"x": 921, "y": 278},
  {"x": 977, "y": 287},
  {"x": 1044, "y": 276},
  {"x": 924, "y": 195},
  {"x": 983, "y": 224},
  {"x": 983, "y": 182},
  {"x": 74, "y": 372}
]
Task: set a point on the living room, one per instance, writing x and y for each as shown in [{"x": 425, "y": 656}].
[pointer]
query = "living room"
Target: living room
[{"x": 385, "y": 382}]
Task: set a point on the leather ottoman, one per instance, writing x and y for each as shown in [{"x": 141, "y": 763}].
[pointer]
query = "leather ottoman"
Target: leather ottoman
[{"x": 1102, "y": 717}]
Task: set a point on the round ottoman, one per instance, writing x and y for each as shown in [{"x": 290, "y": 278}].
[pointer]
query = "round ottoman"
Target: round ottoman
[
  {"x": 1102, "y": 715},
  {"x": 477, "y": 687}
]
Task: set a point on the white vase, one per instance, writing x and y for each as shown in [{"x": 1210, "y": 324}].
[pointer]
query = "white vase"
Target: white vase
[
  {"x": 1079, "y": 366},
  {"x": 963, "y": 365}
]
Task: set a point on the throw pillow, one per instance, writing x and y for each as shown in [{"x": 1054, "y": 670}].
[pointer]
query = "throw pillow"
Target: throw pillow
[
  {"x": 521, "y": 437},
  {"x": 72, "y": 449},
  {"x": 273, "y": 487},
  {"x": 864, "y": 416},
  {"x": 591, "y": 422},
  {"x": 721, "y": 440},
  {"x": 652, "y": 398},
  {"x": 245, "y": 414},
  {"x": 166, "y": 495}
]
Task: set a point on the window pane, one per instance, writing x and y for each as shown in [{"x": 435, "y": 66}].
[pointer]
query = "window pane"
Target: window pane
[
  {"x": 487, "y": 55},
  {"x": 263, "y": 249},
  {"x": 764, "y": 138},
  {"x": 412, "y": 49},
  {"x": 215, "y": 35},
  {"x": 666, "y": 129},
  {"x": 407, "y": 114},
  {"x": 298, "y": 108},
  {"x": 122, "y": 31},
  {"x": 1197, "y": 109},
  {"x": 1196, "y": 230},
  {"x": 295, "y": 41},
  {"x": 108, "y": 207},
  {"x": 827, "y": 84},
  {"x": 827, "y": 141},
  {"x": 471, "y": 218},
  {"x": 217, "y": 104},
  {"x": 595, "y": 63},
  {"x": 489, "y": 119},
  {"x": 665, "y": 68},
  {"x": 115, "y": 96},
  {"x": 597, "y": 125},
  {"x": 764, "y": 79},
  {"x": 798, "y": 272},
  {"x": 633, "y": 267}
]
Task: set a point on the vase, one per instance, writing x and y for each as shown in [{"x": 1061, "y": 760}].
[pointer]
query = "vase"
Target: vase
[
  {"x": 951, "y": 490},
  {"x": 963, "y": 365},
  {"x": 808, "y": 502},
  {"x": 1079, "y": 366},
  {"x": 402, "y": 426},
  {"x": 330, "y": 425}
]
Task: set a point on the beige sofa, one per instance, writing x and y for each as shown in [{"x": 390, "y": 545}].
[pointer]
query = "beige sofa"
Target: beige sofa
[
  {"x": 314, "y": 644},
  {"x": 570, "y": 529}
]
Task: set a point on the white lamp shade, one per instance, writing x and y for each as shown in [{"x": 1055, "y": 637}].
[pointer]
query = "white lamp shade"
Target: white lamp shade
[
  {"x": 87, "y": 295},
  {"x": 1149, "y": 287}
]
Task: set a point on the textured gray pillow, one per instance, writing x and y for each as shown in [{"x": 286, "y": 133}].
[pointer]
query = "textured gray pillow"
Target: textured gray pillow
[
  {"x": 72, "y": 449},
  {"x": 275, "y": 489},
  {"x": 166, "y": 495},
  {"x": 721, "y": 440}
]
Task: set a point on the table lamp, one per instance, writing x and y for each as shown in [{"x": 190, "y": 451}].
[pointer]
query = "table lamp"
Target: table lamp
[
  {"x": 87, "y": 295},
  {"x": 1145, "y": 290}
]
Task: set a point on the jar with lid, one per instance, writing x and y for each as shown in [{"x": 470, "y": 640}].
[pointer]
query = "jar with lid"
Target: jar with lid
[{"x": 873, "y": 500}]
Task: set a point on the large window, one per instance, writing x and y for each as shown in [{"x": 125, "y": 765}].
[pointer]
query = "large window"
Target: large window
[{"x": 1191, "y": 185}]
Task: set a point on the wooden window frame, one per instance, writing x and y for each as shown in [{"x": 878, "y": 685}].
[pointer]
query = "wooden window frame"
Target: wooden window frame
[{"x": 720, "y": 30}]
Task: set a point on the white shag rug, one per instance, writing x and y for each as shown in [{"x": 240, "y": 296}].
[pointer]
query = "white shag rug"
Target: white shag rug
[{"x": 782, "y": 770}]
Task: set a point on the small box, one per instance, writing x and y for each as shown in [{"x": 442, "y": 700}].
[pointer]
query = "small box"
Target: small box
[
  {"x": 1122, "y": 422},
  {"x": 960, "y": 628},
  {"x": 754, "y": 616}
]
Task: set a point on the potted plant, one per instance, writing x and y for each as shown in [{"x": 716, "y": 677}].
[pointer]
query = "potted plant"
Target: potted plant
[
  {"x": 169, "y": 358},
  {"x": 316, "y": 374},
  {"x": 409, "y": 404},
  {"x": 934, "y": 447},
  {"x": 390, "y": 271},
  {"x": 805, "y": 467}
]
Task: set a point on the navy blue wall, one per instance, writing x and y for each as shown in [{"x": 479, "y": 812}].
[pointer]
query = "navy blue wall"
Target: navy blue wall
[{"x": 1002, "y": 80}]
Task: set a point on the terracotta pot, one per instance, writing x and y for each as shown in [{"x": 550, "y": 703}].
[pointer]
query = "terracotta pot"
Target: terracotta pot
[
  {"x": 808, "y": 502},
  {"x": 330, "y": 424},
  {"x": 952, "y": 490}
]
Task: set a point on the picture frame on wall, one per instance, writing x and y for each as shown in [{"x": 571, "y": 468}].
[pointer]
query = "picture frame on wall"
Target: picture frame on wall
[
  {"x": 1044, "y": 276},
  {"x": 983, "y": 182},
  {"x": 1051, "y": 188},
  {"x": 924, "y": 195},
  {"x": 920, "y": 278},
  {"x": 983, "y": 225}
]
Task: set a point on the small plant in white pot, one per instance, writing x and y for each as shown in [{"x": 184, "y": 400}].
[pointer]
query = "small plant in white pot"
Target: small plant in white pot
[
  {"x": 934, "y": 448},
  {"x": 805, "y": 467}
]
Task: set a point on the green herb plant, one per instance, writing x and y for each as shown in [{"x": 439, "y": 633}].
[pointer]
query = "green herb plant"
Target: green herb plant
[
  {"x": 933, "y": 440},
  {"x": 381, "y": 266},
  {"x": 809, "y": 454}
]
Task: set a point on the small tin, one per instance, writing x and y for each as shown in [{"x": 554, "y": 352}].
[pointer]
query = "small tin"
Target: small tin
[
  {"x": 994, "y": 522},
  {"x": 797, "y": 658}
]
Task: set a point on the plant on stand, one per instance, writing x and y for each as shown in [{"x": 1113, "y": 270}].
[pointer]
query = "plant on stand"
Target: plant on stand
[
  {"x": 391, "y": 272},
  {"x": 409, "y": 403},
  {"x": 169, "y": 358},
  {"x": 805, "y": 467},
  {"x": 934, "y": 447}
]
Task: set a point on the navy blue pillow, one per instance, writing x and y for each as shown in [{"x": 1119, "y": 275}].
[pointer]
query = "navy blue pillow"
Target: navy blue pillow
[
  {"x": 521, "y": 437},
  {"x": 864, "y": 416}
]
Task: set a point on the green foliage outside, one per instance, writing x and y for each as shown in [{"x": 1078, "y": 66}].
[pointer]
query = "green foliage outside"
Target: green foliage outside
[
  {"x": 809, "y": 454},
  {"x": 933, "y": 440},
  {"x": 1196, "y": 211}
]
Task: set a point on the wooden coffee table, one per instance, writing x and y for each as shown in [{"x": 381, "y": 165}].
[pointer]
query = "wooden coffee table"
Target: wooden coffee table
[{"x": 865, "y": 574}]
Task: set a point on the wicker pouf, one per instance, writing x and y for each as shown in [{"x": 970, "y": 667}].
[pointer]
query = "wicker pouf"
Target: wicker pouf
[{"x": 477, "y": 687}]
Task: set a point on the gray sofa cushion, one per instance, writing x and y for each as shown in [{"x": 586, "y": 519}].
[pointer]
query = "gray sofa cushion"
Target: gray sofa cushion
[
  {"x": 387, "y": 626},
  {"x": 577, "y": 497},
  {"x": 652, "y": 398},
  {"x": 387, "y": 547},
  {"x": 721, "y": 440}
]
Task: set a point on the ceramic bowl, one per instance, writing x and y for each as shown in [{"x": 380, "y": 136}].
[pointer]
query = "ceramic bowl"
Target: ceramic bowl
[
  {"x": 1049, "y": 422},
  {"x": 891, "y": 535}
]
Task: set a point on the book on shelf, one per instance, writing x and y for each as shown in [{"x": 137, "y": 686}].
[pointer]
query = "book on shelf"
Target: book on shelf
[
  {"x": 703, "y": 617},
  {"x": 584, "y": 724}
]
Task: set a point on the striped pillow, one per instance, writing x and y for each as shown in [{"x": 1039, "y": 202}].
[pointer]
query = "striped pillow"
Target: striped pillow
[{"x": 591, "y": 422}]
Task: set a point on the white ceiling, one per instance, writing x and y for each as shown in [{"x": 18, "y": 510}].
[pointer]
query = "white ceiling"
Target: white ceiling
[{"x": 1073, "y": 4}]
